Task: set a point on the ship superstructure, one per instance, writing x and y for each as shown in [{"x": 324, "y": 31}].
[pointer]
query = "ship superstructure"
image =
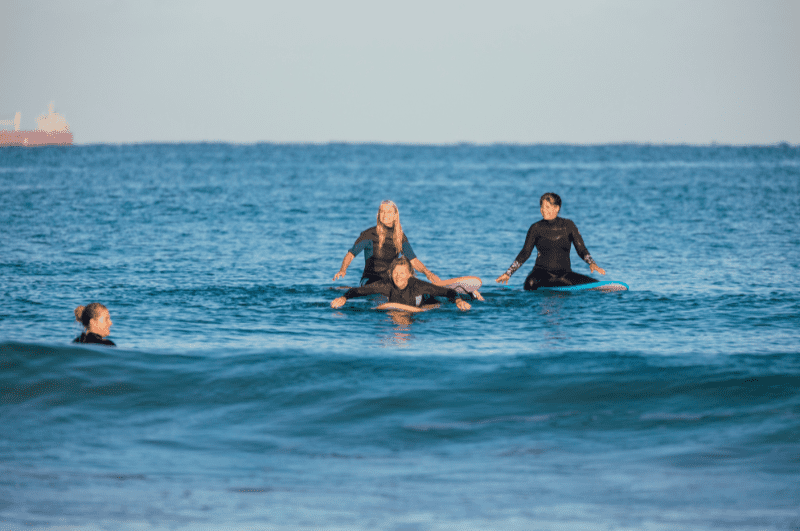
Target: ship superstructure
[{"x": 52, "y": 129}]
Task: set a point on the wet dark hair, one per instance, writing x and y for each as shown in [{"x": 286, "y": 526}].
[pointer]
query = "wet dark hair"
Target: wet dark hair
[
  {"x": 551, "y": 198},
  {"x": 84, "y": 314},
  {"x": 401, "y": 261}
]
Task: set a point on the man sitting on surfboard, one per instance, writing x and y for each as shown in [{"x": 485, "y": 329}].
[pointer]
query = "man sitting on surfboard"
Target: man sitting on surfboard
[
  {"x": 402, "y": 288},
  {"x": 552, "y": 236}
]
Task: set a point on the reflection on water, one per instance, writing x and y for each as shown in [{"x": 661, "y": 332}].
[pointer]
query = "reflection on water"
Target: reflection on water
[
  {"x": 550, "y": 307},
  {"x": 401, "y": 331}
]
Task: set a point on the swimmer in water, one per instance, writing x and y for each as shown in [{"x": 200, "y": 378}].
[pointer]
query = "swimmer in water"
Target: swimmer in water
[
  {"x": 402, "y": 288},
  {"x": 381, "y": 244},
  {"x": 96, "y": 320},
  {"x": 552, "y": 236}
]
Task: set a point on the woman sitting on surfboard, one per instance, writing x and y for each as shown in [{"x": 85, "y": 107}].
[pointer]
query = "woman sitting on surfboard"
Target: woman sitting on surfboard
[
  {"x": 552, "y": 236},
  {"x": 402, "y": 288},
  {"x": 382, "y": 244}
]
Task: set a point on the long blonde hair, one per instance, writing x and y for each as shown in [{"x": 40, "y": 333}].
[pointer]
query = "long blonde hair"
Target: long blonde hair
[{"x": 398, "y": 229}]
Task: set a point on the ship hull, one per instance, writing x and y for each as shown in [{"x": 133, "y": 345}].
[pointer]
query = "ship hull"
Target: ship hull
[{"x": 35, "y": 138}]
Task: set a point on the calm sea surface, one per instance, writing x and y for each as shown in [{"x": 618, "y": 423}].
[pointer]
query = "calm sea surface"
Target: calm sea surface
[{"x": 238, "y": 399}]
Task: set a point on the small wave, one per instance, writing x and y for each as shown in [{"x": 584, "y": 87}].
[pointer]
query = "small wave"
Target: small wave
[
  {"x": 471, "y": 425},
  {"x": 684, "y": 416}
]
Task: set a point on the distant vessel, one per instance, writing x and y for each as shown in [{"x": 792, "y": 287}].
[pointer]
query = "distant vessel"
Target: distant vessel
[{"x": 52, "y": 130}]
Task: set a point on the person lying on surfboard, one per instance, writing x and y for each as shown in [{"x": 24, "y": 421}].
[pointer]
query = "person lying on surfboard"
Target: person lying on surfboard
[
  {"x": 552, "y": 236},
  {"x": 381, "y": 244},
  {"x": 402, "y": 287}
]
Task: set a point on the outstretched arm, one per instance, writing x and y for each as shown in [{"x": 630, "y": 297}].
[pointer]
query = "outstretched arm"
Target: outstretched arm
[
  {"x": 524, "y": 254},
  {"x": 503, "y": 279},
  {"x": 582, "y": 251},
  {"x": 343, "y": 270},
  {"x": 419, "y": 266},
  {"x": 441, "y": 291},
  {"x": 361, "y": 291},
  {"x": 376, "y": 287}
]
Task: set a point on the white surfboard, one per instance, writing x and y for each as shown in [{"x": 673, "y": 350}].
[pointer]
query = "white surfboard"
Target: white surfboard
[
  {"x": 396, "y": 306},
  {"x": 464, "y": 285}
]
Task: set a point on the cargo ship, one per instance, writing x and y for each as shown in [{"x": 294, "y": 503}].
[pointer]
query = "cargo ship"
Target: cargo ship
[{"x": 52, "y": 130}]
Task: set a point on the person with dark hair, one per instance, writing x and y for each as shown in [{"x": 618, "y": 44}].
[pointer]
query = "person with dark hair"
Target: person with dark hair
[
  {"x": 381, "y": 244},
  {"x": 552, "y": 236},
  {"x": 402, "y": 287},
  {"x": 97, "y": 321}
]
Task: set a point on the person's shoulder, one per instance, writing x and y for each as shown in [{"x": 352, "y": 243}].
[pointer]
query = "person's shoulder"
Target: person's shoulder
[
  {"x": 370, "y": 233},
  {"x": 414, "y": 281},
  {"x": 94, "y": 338},
  {"x": 376, "y": 285},
  {"x": 568, "y": 223},
  {"x": 381, "y": 286},
  {"x": 539, "y": 225}
]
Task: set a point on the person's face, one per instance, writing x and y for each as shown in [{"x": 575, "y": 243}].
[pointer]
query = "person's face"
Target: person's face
[
  {"x": 101, "y": 325},
  {"x": 387, "y": 215},
  {"x": 400, "y": 276},
  {"x": 549, "y": 210}
]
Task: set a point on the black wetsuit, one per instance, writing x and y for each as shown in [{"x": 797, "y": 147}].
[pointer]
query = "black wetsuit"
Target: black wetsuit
[
  {"x": 91, "y": 337},
  {"x": 552, "y": 240},
  {"x": 412, "y": 295},
  {"x": 377, "y": 261}
]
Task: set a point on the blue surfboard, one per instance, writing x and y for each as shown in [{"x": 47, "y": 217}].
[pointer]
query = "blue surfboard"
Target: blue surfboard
[{"x": 603, "y": 285}]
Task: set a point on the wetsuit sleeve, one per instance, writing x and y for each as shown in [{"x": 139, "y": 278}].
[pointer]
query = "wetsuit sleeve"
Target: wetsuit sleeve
[
  {"x": 408, "y": 252},
  {"x": 577, "y": 240},
  {"x": 525, "y": 253},
  {"x": 421, "y": 287},
  {"x": 362, "y": 243},
  {"x": 382, "y": 288}
]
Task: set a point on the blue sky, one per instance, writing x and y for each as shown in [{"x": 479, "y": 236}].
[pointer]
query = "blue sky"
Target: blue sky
[{"x": 418, "y": 72}]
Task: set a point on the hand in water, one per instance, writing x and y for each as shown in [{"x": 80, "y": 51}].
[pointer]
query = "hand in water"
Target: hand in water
[
  {"x": 463, "y": 305},
  {"x": 595, "y": 267},
  {"x": 338, "y": 302}
]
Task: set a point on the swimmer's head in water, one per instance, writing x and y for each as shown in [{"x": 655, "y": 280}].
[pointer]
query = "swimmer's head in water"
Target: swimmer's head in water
[
  {"x": 388, "y": 218},
  {"x": 401, "y": 271},
  {"x": 549, "y": 204},
  {"x": 95, "y": 318}
]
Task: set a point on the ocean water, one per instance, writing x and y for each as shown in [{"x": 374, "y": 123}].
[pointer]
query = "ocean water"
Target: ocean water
[{"x": 238, "y": 399}]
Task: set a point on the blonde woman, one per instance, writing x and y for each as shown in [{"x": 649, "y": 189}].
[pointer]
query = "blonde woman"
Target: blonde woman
[{"x": 381, "y": 245}]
